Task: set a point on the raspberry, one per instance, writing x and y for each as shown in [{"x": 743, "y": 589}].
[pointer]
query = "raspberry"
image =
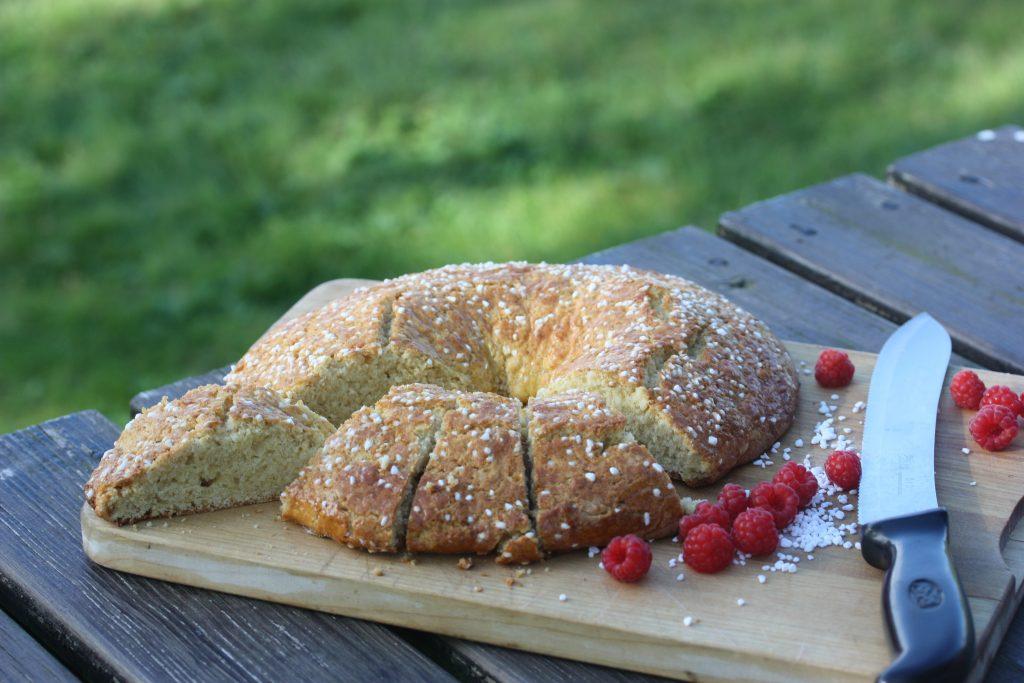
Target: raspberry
[
  {"x": 778, "y": 499},
  {"x": 708, "y": 549},
  {"x": 843, "y": 469},
  {"x": 999, "y": 395},
  {"x": 754, "y": 532},
  {"x": 966, "y": 389},
  {"x": 733, "y": 499},
  {"x": 994, "y": 427},
  {"x": 705, "y": 513},
  {"x": 627, "y": 558},
  {"x": 833, "y": 369},
  {"x": 798, "y": 478}
]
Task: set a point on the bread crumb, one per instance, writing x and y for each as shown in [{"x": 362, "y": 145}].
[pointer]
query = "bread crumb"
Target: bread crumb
[
  {"x": 377, "y": 571},
  {"x": 465, "y": 563},
  {"x": 478, "y": 589}
]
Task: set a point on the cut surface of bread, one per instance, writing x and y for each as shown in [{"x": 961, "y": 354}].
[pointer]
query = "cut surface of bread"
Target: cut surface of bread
[{"x": 215, "y": 447}]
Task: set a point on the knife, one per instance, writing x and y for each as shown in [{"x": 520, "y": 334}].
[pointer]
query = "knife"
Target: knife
[{"x": 904, "y": 531}]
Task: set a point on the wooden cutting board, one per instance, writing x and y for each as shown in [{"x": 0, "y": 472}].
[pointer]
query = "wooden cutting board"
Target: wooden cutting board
[{"x": 822, "y": 622}]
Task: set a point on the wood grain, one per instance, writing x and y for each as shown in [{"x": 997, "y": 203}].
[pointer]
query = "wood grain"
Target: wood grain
[
  {"x": 897, "y": 254},
  {"x": 530, "y": 616},
  {"x": 23, "y": 660},
  {"x": 978, "y": 177},
  {"x": 108, "y": 625},
  {"x": 792, "y": 307}
]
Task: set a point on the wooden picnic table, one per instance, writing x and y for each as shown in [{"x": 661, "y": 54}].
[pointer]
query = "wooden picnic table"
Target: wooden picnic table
[{"x": 840, "y": 263}]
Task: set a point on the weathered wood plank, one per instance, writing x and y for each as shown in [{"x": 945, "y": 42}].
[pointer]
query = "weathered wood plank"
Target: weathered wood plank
[
  {"x": 794, "y": 308},
  {"x": 897, "y": 254},
  {"x": 981, "y": 177},
  {"x": 111, "y": 625},
  {"x": 482, "y": 662},
  {"x": 23, "y": 660},
  {"x": 1008, "y": 663}
]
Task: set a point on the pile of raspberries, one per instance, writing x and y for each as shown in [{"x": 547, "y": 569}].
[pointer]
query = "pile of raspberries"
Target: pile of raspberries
[
  {"x": 746, "y": 521},
  {"x": 995, "y": 425}
]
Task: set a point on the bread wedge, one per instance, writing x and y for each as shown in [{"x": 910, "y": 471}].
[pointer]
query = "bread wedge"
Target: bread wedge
[{"x": 215, "y": 447}]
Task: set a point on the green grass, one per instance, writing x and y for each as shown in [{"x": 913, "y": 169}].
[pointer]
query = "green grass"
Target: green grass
[{"x": 174, "y": 173}]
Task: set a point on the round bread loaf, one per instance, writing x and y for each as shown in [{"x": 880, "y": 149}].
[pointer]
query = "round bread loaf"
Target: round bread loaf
[{"x": 700, "y": 383}]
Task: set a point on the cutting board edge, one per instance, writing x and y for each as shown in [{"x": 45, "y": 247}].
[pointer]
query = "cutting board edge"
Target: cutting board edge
[{"x": 105, "y": 547}]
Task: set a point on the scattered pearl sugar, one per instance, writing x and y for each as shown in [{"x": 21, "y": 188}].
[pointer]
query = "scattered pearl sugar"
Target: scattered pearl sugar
[
  {"x": 965, "y": 451},
  {"x": 680, "y": 576},
  {"x": 974, "y": 483},
  {"x": 986, "y": 135},
  {"x": 740, "y": 602},
  {"x": 761, "y": 578},
  {"x": 689, "y": 621},
  {"x": 816, "y": 526},
  {"x": 563, "y": 597}
]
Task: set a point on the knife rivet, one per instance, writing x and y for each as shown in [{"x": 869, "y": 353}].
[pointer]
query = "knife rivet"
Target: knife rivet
[{"x": 925, "y": 593}]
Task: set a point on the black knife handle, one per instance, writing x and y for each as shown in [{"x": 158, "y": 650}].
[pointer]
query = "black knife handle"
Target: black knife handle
[{"x": 926, "y": 611}]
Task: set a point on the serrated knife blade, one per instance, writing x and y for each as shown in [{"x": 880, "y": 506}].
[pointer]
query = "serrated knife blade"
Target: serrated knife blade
[
  {"x": 898, "y": 449},
  {"x": 904, "y": 530}
]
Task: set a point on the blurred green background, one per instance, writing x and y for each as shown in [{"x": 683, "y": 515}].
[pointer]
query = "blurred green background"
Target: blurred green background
[{"x": 175, "y": 173}]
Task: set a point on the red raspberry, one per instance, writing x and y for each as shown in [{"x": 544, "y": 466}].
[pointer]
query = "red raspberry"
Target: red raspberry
[
  {"x": 833, "y": 369},
  {"x": 708, "y": 549},
  {"x": 627, "y": 558},
  {"x": 798, "y": 478},
  {"x": 999, "y": 395},
  {"x": 733, "y": 499},
  {"x": 754, "y": 532},
  {"x": 778, "y": 499},
  {"x": 843, "y": 469},
  {"x": 705, "y": 513},
  {"x": 994, "y": 427},
  {"x": 966, "y": 389}
]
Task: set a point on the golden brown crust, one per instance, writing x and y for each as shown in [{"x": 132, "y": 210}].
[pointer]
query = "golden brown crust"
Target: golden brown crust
[
  {"x": 472, "y": 496},
  {"x": 166, "y": 430},
  {"x": 357, "y": 490},
  {"x": 590, "y": 481},
  {"x": 700, "y": 371}
]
